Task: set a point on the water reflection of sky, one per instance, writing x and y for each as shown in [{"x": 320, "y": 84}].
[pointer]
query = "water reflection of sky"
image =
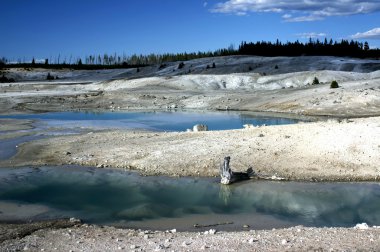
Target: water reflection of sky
[
  {"x": 109, "y": 196},
  {"x": 163, "y": 121}
]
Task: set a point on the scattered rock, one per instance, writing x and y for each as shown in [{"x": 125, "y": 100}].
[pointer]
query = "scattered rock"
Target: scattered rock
[
  {"x": 274, "y": 177},
  {"x": 160, "y": 247},
  {"x": 186, "y": 243},
  {"x": 200, "y": 127},
  {"x": 211, "y": 231},
  {"x": 361, "y": 226},
  {"x": 248, "y": 126},
  {"x": 252, "y": 240}
]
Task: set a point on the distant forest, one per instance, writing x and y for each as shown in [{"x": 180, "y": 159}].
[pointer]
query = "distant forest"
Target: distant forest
[{"x": 343, "y": 48}]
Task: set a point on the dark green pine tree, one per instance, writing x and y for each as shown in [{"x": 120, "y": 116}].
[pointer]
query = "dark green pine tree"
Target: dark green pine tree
[{"x": 366, "y": 46}]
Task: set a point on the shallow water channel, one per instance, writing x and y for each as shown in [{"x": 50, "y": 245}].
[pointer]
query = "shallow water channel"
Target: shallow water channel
[{"x": 121, "y": 198}]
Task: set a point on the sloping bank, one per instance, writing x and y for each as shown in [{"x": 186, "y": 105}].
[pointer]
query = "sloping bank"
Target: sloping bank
[{"x": 334, "y": 150}]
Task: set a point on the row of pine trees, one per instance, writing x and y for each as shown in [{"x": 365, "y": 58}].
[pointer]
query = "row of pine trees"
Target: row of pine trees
[{"x": 343, "y": 48}]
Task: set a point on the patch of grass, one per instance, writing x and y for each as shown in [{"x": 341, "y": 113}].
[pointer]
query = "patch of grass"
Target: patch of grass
[
  {"x": 181, "y": 65},
  {"x": 334, "y": 84},
  {"x": 4, "y": 79},
  {"x": 49, "y": 77},
  {"x": 315, "y": 81},
  {"x": 162, "y": 66}
]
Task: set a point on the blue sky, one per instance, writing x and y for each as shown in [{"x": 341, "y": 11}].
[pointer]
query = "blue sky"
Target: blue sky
[{"x": 46, "y": 28}]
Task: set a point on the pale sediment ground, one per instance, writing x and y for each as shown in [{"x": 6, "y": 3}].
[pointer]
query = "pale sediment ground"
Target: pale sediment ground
[
  {"x": 332, "y": 150},
  {"x": 348, "y": 149},
  {"x": 79, "y": 237}
]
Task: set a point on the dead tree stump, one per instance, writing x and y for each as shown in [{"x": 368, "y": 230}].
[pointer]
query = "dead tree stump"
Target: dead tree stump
[{"x": 229, "y": 177}]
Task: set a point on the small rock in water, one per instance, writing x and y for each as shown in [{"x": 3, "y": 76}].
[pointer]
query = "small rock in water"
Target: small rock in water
[
  {"x": 173, "y": 231},
  {"x": 246, "y": 226},
  {"x": 74, "y": 220}
]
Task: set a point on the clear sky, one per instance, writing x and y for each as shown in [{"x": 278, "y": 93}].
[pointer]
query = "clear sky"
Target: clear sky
[{"x": 46, "y": 28}]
